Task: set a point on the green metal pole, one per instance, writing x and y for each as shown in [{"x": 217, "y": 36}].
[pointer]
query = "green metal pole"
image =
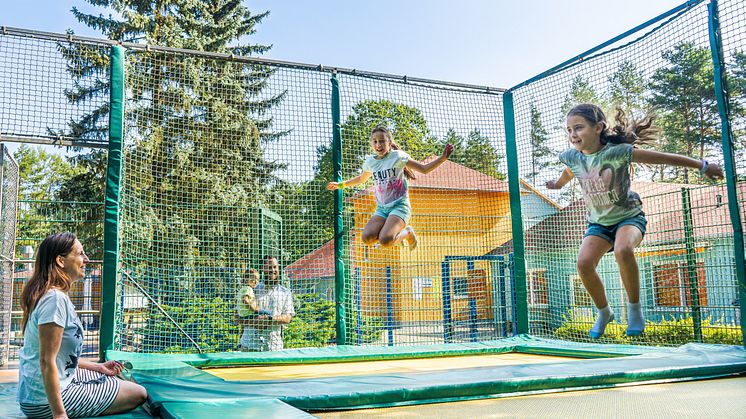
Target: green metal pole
[
  {"x": 731, "y": 177},
  {"x": 111, "y": 204},
  {"x": 519, "y": 259},
  {"x": 339, "y": 267},
  {"x": 691, "y": 264}
]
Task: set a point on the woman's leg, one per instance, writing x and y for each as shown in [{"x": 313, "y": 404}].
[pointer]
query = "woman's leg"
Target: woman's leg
[
  {"x": 129, "y": 397},
  {"x": 627, "y": 238},
  {"x": 393, "y": 232},
  {"x": 373, "y": 229}
]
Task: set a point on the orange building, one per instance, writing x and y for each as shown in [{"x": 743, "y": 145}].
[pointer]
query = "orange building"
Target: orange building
[{"x": 457, "y": 211}]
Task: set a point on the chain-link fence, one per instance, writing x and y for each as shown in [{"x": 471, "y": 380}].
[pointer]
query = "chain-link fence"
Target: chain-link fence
[{"x": 8, "y": 204}]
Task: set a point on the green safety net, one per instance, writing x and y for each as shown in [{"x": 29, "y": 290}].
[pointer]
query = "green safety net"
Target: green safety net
[
  {"x": 688, "y": 273},
  {"x": 225, "y": 162}
]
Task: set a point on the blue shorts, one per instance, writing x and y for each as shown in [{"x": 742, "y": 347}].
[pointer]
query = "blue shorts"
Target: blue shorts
[
  {"x": 401, "y": 208},
  {"x": 608, "y": 233}
]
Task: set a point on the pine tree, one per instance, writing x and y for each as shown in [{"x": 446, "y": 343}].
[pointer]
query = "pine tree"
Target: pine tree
[
  {"x": 683, "y": 94},
  {"x": 627, "y": 89},
  {"x": 195, "y": 127},
  {"x": 542, "y": 156}
]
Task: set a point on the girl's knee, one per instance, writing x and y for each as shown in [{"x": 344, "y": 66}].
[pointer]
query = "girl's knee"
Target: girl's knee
[
  {"x": 386, "y": 240},
  {"x": 369, "y": 238},
  {"x": 624, "y": 252},
  {"x": 585, "y": 265},
  {"x": 142, "y": 394}
]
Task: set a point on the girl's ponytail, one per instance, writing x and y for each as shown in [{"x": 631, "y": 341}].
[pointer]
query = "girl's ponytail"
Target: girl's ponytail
[{"x": 629, "y": 130}]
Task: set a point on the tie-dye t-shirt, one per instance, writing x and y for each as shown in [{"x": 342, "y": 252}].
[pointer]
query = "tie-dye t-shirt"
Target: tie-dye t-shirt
[
  {"x": 605, "y": 182},
  {"x": 389, "y": 182}
]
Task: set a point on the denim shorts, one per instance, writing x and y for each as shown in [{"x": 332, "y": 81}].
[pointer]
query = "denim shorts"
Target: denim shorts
[
  {"x": 401, "y": 208},
  {"x": 608, "y": 233}
]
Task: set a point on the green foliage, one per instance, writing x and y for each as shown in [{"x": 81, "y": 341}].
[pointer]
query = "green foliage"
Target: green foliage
[
  {"x": 683, "y": 94},
  {"x": 49, "y": 204},
  {"x": 475, "y": 153},
  {"x": 314, "y": 324},
  {"x": 664, "y": 333},
  {"x": 208, "y": 321},
  {"x": 542, "y": 155},
  {"x": 195, "y": 168},
  {"x": 627, "y": 89},
  {"x": 298, "y": 204},
  {"x": 41, "y": 173},
  {"x": 581, "y": 91}
]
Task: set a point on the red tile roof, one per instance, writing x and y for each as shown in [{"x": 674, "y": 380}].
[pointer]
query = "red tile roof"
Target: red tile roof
[
  {"x": 317, "y": 264},
  {"x": 451, "y": 175}
]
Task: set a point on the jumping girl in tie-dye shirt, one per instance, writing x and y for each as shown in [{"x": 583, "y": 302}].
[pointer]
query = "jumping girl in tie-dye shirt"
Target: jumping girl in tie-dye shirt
[{"x": 600, "y": 159}]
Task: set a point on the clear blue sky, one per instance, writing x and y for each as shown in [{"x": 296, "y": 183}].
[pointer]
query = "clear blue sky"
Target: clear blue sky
[{"x": 488, "y": 42}]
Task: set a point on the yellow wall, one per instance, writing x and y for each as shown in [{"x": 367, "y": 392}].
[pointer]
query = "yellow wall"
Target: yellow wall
[{"x": 455, "y": 223}]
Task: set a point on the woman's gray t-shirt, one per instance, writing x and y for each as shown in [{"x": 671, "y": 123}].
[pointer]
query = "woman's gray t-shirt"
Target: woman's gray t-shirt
[{"x": 53, "y": 307}]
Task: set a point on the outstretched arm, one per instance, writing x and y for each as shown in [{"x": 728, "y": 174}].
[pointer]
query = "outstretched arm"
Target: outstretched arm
[
  {"x": 565, "y": 177},
  {"x": 352, "y": 182},
  {"x": 429, "y": 167},
  {"x": 712, "y": 171}
]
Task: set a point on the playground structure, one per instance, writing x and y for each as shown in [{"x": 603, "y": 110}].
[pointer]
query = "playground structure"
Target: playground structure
[{"x": 215, "y": 161}]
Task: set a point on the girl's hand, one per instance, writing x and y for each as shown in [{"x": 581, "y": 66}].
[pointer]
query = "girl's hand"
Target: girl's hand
[
  {"x": 332, "y": 186},
  {"x": 714, "y": 171},
  {"x": 552, "y": 184},
  {"x": 447, "y": 151},
  {"x": 62, "y": 416}
]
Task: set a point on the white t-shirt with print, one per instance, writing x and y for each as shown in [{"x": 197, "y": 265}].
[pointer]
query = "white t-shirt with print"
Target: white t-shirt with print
[
  {"x": 53, "y": 307},
  {"x": 389, "y": 182}
]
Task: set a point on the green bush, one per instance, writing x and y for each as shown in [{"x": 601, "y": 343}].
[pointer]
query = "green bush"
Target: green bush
[
  {"x": 209, "y": 322},
  {"x": 664, "y": 333},
  {"x": 314, "y": 324}
]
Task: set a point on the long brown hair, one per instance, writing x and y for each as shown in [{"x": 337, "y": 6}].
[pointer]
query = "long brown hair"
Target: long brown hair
[
  {"x": 625, "y": 130},
  {"x": 394, "y": 146},
  {"x": 47, "y": 274}
]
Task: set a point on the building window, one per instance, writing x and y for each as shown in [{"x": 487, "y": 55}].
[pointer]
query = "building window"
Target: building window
[
  {"x": 538, "y": 293},
  {"x": 580, "y": 297},
  {"x": 460, "y": 287},
  {"x": 671, "y": 284}
]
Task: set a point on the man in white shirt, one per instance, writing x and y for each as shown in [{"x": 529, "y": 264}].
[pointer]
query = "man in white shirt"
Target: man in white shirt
[{"x": 264, "y": 332}]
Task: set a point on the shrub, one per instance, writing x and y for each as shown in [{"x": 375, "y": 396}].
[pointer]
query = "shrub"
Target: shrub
[
  {"x": 314, "y": 324},
  {"x": 664, "y": 333},
  {"x": 209, "y": 322}
]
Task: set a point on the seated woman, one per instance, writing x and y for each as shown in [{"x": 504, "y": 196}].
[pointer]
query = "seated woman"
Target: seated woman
[{"x": 54, "y": 382}]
